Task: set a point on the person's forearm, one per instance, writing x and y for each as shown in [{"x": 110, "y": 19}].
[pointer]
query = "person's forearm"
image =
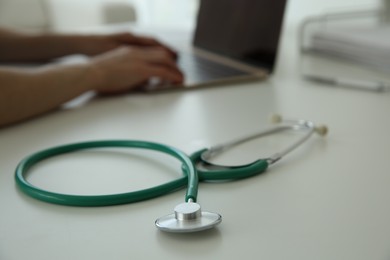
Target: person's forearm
[
  {"x": 24, "y": 47},
  {"x": 28, "y": 93}
]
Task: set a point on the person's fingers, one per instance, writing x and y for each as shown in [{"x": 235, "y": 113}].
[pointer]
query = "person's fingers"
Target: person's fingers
[
  {"x": 159, "y": 56},
  {"x": 134, "y": 39},
  {"x": 136, "y": 55},
  {"x": 163, "y": 73},
  {"x": 128, "y": 38},
  {"x": 133, "y": 87},
  {"x": 156, "y": 56},
  {"x": 127, "y": 68},
  {"x": 145, "y": 73}
]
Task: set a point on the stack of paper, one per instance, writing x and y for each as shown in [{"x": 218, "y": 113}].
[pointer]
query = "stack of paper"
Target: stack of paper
[{"x": 365, "y": 46}]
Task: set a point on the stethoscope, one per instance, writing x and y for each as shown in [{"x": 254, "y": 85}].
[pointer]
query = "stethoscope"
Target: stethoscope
[{"x": 187, "y": 216}]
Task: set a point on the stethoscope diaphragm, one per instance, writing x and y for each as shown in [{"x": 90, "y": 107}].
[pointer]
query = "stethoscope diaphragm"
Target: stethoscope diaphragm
[{"x": 188, "y": 217}]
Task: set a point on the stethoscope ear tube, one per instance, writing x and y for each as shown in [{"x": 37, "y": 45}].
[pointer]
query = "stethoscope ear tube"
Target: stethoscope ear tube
[{"x": 212, "y": 172}]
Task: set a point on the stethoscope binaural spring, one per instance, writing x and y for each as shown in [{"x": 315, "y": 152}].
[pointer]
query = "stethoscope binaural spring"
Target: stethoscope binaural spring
[{"x": 187, "y": 216}]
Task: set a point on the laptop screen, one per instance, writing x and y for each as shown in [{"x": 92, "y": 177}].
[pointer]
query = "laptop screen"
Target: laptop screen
[{"x": 245, "y": 30}]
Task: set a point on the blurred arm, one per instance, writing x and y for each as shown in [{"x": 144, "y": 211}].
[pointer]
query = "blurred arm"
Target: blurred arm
[
  {"x": 26, "y": 47},
  {"x": 25, "y": 93}
]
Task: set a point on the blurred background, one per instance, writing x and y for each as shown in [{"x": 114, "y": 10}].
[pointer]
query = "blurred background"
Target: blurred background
[
  {"x": 305, "y": 21},
  {"x": 67, "y": 15}
]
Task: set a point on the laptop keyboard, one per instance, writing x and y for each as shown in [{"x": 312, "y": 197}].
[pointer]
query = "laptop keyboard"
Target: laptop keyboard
[{"x": 198, "y": 69}]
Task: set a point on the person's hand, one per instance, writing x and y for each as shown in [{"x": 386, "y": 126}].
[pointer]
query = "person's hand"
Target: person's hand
[
  {"x": 97, "y": 44},
  {"x": 127, "y": 68}
]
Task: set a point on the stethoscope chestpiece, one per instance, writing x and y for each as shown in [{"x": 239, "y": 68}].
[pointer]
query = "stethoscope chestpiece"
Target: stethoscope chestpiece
[{"x": 188, "y": 217}]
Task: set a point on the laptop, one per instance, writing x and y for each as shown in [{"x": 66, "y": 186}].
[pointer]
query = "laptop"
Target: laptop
[{"x": 234, "y": 40}]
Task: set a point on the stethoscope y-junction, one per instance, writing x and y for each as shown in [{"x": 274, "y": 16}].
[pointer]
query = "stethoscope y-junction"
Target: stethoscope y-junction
[{"x": 187, "y": 216}]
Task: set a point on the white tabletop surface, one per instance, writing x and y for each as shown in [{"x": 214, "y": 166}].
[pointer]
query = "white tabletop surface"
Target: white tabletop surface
[{"x": 328, "y": 200}]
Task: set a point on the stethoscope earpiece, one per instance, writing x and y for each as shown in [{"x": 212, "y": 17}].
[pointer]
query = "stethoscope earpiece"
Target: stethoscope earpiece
[
  {"x": 322, "y": 130},
  {"x": 276, "y": 118}
]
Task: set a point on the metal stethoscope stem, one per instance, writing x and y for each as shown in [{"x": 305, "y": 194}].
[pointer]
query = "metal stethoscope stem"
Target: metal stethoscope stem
[{"x": 286, "y": 124}]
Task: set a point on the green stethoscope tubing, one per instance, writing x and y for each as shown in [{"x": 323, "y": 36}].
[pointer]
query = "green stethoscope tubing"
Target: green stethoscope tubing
[
  {"x": 223, "y": 173},
  {"x": 190, "y": 178}
]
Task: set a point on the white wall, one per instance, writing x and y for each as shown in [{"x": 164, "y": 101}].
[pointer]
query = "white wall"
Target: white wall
[
  {"x": 30, "y": 14},
  {"x": 297, "y": 8},
  {"x": 167, "y": 13},
  {"x": 70, "y": 14},
  {"x": 162, "y": 13}
]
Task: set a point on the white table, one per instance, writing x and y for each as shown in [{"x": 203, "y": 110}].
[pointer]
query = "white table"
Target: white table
[{"x": 329, "y": 200}]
